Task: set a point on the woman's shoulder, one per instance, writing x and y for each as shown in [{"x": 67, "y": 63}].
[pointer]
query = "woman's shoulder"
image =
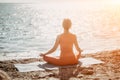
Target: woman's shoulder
[
  {"x": 74, "y": 35},
  {"x": 58, "y": 36},
  {"x": 71, "y": 34}
]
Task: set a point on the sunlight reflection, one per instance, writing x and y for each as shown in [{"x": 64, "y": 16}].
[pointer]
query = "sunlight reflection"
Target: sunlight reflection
[{"x": 113, "y": 2}]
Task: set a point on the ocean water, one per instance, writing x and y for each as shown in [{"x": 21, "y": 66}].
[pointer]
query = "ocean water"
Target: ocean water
[{"x": 34, "y": 27}]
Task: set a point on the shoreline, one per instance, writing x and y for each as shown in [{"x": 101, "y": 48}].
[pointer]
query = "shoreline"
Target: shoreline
[
  {"x": 110, "y": 70},
  {"x": 35, "y": 54}
]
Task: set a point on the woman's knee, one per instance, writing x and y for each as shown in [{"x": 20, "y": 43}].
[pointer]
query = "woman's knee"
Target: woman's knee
[
  {"x": 52, "y": 60},
  {"x": 45, "y": 58},
  {"x": 49, "y": 58},
  {"x": 78, "y": 55}
]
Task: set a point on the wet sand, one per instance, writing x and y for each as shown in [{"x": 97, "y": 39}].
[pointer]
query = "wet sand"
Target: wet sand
[{"x": 110, "y": 70}]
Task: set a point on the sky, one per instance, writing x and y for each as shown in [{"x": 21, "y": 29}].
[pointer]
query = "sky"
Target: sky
[
  {"x": 40, "y": 1},
  {"x": 46, "y": 2},
  {"x": 20, "y": 1}
]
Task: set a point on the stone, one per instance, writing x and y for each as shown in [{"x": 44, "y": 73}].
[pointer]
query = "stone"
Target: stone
[
  {"x": 4, "y": 75},
  {"x": 87, "y": 72}
]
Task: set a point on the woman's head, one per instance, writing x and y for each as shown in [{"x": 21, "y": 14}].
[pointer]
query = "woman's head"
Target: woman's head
[{"x": 67, "y": 24}]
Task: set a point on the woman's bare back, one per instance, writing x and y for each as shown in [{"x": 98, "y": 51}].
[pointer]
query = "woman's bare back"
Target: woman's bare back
[{"x": 66, "y": 44}]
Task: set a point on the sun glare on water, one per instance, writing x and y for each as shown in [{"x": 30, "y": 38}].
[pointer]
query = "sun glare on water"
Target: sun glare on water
[{"x": 114, "y": 2}]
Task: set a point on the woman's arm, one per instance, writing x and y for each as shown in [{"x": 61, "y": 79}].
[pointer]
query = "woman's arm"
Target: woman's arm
[
  {"x": 54, "y": 47},
  {"x": 77, "y": 46}
]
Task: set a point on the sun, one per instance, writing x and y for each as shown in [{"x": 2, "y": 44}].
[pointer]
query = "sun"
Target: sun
[{"x": 114, "y": 2}]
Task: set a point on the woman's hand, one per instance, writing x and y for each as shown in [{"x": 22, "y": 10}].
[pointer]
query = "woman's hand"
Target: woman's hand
[
  {"x": 42, "y": 55},
  {"x": 81, "y": 50}
]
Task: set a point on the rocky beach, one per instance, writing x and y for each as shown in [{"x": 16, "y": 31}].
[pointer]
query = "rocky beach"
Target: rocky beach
[{"x": 109, "y": 70}]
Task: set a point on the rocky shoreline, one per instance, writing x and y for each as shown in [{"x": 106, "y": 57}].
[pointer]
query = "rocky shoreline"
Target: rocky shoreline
[{"x": 110, "y": 70}]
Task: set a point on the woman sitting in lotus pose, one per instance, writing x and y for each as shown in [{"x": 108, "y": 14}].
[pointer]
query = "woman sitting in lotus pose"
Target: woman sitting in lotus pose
[{"x": 66, "y": 40}]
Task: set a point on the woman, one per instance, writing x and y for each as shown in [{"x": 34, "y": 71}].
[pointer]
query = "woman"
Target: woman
[{"x": 66, "y": 40}]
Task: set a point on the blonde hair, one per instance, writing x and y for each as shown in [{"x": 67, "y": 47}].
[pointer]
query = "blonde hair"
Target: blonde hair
[{"x": 67, "y": 24}]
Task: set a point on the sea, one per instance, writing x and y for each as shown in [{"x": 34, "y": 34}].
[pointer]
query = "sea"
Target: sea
[{"x": 27, "y": 29}]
